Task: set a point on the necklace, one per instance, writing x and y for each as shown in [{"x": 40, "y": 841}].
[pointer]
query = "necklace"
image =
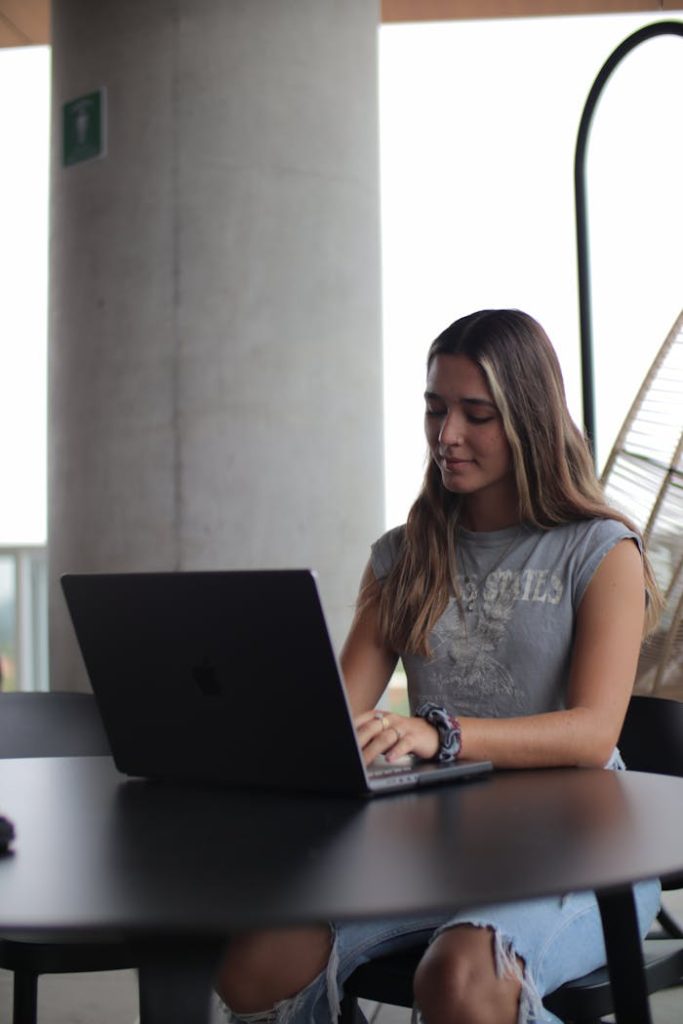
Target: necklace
[{"x": 470, "y": 592}]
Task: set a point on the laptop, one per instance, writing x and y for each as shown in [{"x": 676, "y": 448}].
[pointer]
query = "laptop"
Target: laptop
[{"x": 227, "y": 677}]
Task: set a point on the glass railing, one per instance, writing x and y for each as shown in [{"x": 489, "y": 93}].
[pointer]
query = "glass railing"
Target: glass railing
[{"x": 23, "y": 618}]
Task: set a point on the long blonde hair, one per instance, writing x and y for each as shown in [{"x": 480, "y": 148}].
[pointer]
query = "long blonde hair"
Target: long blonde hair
[{"x": 553, "y": 468}]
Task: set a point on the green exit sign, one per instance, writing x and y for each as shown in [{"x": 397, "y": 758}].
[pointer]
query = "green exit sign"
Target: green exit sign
[{"x": 84, "y": 128}]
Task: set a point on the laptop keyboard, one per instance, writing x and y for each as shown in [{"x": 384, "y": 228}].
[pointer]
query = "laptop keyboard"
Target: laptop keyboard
[{"x": 380, "y": 767}]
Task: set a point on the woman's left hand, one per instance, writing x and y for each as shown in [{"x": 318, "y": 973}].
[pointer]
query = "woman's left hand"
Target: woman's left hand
[{"x": 382, "y": 732}]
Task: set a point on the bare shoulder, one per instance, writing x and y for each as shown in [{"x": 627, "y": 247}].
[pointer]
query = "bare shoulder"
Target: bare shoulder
[
  {"x": 623, "y": 563},
  {"x": 617, "y": 588}
]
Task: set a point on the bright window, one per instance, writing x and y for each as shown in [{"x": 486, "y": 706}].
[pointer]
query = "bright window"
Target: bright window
[
  {"x": 24, "y": 131},
  {"x": 478, "y": 130},
  {"x": 25, "y": 134}
]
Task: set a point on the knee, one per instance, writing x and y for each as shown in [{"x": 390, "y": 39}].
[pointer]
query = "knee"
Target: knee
[
  {"x": 456, "y": 980},
  {"x": 448, "y": 989},
  {"x": 260, "y": 969}
]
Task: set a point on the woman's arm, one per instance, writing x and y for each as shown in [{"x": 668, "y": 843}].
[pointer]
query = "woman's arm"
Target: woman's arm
[
  {"x": 608, "y": 635},
  {"x": 367, "y": 663}
]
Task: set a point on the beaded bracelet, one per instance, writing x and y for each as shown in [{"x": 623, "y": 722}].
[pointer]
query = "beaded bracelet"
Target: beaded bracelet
[{"x": 448, "y": 728}]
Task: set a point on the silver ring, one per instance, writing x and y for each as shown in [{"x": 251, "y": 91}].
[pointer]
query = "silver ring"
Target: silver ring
[{"x": 399, "y": 733}]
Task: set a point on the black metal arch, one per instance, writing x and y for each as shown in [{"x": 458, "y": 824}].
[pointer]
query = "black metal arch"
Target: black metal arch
[{"x": 659, "y": 28}]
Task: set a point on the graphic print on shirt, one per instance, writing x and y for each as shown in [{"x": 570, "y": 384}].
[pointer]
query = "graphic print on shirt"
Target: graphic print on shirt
[{"x": 465, "y": 672}]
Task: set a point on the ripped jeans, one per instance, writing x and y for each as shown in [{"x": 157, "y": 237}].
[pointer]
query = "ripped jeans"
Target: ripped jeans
[{"x": 558, "y": 938}]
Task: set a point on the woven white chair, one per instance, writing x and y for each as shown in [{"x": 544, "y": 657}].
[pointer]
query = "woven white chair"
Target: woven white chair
[{"x": 644, "y": 477}]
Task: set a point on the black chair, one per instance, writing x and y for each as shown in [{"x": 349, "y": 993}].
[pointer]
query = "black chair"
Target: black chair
[
  {"x": 52, "y": 725},
  {"x": 651, "y": 741}
]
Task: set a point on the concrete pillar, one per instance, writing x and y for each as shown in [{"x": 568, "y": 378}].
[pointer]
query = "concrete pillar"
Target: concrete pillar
[{"x": 215, "y": 359}]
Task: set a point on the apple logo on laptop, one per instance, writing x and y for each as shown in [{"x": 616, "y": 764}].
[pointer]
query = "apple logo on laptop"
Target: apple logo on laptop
[{"x": 206, "y": 678}]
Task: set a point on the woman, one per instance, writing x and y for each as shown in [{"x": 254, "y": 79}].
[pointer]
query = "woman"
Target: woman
[{"x": 516, "y": 599}]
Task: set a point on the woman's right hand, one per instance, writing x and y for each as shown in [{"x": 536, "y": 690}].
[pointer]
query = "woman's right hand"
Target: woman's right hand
[{"x": 382, "y": 732}]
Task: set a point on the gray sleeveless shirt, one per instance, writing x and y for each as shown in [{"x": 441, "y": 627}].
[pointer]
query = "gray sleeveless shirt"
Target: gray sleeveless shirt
[{"x": 508, "y": 652}]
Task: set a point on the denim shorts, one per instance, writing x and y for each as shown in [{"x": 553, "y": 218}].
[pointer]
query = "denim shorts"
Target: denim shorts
[{"x": 558, "y": 938}]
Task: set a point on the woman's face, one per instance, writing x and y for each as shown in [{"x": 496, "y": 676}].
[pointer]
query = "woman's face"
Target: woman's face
[{"x": 465, "y": 432}]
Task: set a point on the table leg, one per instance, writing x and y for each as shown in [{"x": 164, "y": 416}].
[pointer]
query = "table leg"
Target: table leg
[
  {"x": 175, "y": 983},
  {"x": 624, "y": 957}
]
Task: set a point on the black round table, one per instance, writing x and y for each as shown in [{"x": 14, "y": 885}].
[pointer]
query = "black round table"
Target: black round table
[{"x": 179, "y": 868}]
